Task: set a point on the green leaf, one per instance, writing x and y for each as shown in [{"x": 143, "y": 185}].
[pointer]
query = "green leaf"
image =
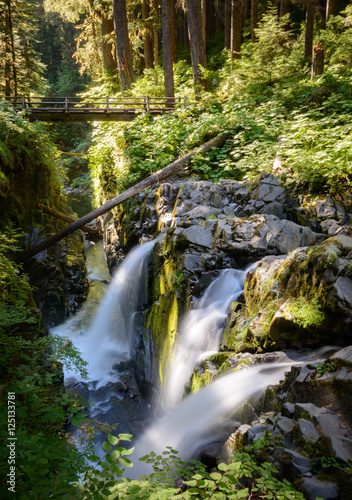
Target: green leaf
[
  {"x": 125, "y": 437},
  {"x": 112, "y": 439},
  {"x": 106, "y": 447}
]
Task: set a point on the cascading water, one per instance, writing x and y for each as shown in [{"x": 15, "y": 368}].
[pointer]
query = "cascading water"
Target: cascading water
[
  {"x": 200, "y": 334},
  {"x": 190, "y": 426},
  {"x": 106, "y": 341}
]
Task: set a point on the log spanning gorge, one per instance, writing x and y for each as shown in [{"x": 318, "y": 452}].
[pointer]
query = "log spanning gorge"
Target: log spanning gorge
[{"x": 200, "y": 322}]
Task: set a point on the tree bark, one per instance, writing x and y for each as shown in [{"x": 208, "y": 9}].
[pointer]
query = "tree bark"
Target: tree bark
[
  {"x": 108, "y": 48},
  {"x": 227, "y": 23},
  {"x": 155, "y": 12},
  {"x": 203, "y": 9},
  {"x": 126, "y": 195},
  {"x": 332, "y": 8},
  {"x": 123, "y": 45},
  {"x": 285, "y": 7},
  {"x": 11, "y": 53},
  {"x": 318, "y": 60},
  {"x": 236, "y": 28},
  {"x": 169, "y": 43},
  {"x": 309, "y": 29},
  {"x": 58, "y": 215},
  {"x": 254, "y": 19},
  {"x": 196, "y": 41},
  {"x": 148, "y": 38}
]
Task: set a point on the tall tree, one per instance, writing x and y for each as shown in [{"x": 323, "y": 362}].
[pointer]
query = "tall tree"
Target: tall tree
[
  {"x": 148, "y": 36},
  {"x": 123, "y": 45},
  {"x": 236, "y": 25},
  {"x": 21, "y": 70},
  {"x": 194, "y": 18},
  {"x": 227, "y": 23},
  {"x": 309, "y": 29},
  {"x": 332, "y": 8},
  {"x": 169, "y": 45},
  {"x": 254, "y": 19}
]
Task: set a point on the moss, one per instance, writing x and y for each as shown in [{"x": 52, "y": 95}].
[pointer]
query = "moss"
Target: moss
[{"x": 199, "y": 379}]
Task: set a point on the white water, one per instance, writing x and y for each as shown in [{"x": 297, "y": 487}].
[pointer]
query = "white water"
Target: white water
[
  {"x": 200, "y": 334},
  {"x": 190, "y": 426},
  {"x": 106, "y": 341}
]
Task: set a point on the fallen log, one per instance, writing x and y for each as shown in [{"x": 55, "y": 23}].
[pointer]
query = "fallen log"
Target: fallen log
[
  {"x": 58, "y": 215},
  {"x": 126, "y": 195}
]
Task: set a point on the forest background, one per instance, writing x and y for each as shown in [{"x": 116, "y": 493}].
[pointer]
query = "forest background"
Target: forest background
[{"x": 252, "y": 70}]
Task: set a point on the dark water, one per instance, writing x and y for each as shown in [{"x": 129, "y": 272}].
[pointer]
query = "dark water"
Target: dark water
[{"x": 81, "y": 204}]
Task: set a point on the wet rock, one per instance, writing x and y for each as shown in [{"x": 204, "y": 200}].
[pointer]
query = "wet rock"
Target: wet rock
[{"x": 319, "y": 489}]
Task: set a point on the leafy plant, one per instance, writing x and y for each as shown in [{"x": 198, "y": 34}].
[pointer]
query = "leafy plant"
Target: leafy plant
[{"x": 306, "y": 312}]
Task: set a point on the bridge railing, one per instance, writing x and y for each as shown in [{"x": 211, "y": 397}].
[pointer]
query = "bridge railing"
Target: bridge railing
[{"x": 108, "y": 104}]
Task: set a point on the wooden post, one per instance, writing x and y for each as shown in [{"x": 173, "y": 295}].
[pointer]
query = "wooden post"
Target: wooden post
[
  {"x": 107, "y": 105},
  {"x": 126, "y": 195},
  {"x": 318, "y": 60},
  {"x": 66, "y": 104}
]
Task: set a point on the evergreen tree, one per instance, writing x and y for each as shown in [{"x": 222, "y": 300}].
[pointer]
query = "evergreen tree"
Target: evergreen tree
[{"x": 21, "y": 70}]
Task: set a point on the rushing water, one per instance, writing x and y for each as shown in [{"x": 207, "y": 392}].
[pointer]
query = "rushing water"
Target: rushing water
[
  {"x": 105, "y": 336},
  {"x": 200, "y": 334},
  {"x": 104, "y": 339}
]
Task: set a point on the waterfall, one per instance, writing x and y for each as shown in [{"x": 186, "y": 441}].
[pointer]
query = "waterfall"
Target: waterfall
[
  {"x": 200, "y": 334},
  {"x": 107, "y": 340},
  {"x": 190, "y": 426}
]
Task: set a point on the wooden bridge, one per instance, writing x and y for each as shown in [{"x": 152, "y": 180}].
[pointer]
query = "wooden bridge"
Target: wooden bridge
[{"x": 69, "y": 109}]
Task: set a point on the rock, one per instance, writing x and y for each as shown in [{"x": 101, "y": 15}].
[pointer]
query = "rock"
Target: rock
[
  {"x": 199, "y": 235},
  {"x": 320, "y": 489}
]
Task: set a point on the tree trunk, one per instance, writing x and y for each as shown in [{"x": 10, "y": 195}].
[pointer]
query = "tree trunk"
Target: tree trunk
[
  {"x": 309, "y": 29},
  {"x": 254, "y": 19},
  {"x": 168, "y": 39},
  {"x": 203, "y": 8},
  {"x": 236, "y": 28},
  {"x": 318, "y": 60},
  {"x": 155, "y": 13},
  {"x": 227, "y": 23},
  {"x": 196, "y": 41},
  {"x": 332, "y": 8},
  {"x": 148, "y": 39},
  {"x": 108, "y": 48},
  {"x": 10, "y": 45},
  {"x": 123, "y": 45},
  {"x": 126, "y": 195},
  {"x": 66, "y": 218},
  {"x": 285, "y": 7}
]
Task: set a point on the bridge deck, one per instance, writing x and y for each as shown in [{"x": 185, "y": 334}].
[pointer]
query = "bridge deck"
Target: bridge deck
[{"x": 53, "y": 109}]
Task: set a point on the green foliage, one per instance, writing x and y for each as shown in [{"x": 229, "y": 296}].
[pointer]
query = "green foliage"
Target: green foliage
[
  {"x": 29, "y": 168},
  {"x": 306, "y": 312},
  {"x": 267, "y": 104},
  {"x": 173, "y": 478},
  {"x": 326, "y": 366}
]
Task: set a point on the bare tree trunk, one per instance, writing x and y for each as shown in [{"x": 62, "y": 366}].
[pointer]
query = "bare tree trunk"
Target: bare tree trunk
[
  {"x": 196, "y": 41},
  {"x": 332, "y": 8},
  {"x": 227, "y": 23},
  {"x": 203, "y": 7},
  {"x": 254, "y": 19},
  {"x": 309, "y": 29},
  {"x": 236, "y": 28},
  {"x": 108, "y": 48},
  {"x": 285, "y": 7},
  {"x": 148, "y": 39},
  {"x": 318, "y": 60},
  {"x": 123, "y": 45},
  {"x": 168, "y": 39},
  {"x": 11, "y": 48},
  {"x": 94, "y": 233},
  {"x": 155, "y": 13}
]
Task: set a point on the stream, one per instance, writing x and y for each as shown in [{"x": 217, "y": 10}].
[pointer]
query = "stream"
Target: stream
[{"x": 103, "y": 330}]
